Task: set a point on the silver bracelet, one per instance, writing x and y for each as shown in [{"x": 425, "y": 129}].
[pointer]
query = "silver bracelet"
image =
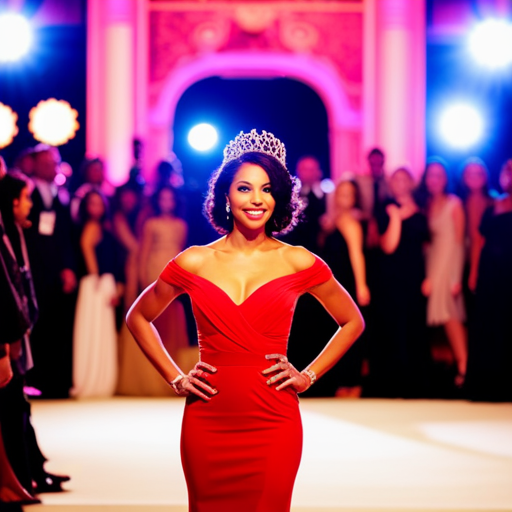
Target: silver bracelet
[
  {"x": 311, "y": 374},
  {"x": 174, "y": 383}
]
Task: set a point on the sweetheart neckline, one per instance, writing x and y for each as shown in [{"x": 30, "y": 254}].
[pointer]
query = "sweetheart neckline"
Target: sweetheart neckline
[{"x": 293, "y": 274}]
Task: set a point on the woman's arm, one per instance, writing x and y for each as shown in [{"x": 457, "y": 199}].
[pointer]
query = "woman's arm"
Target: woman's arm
[
  {"x": 353, "y": 234},
  {"x": 124, "y": 234},
  {"x": 459, "y": 222},
  {"x": 477, "y": 244},
  {"x": 342, "y": 308},
  {"x": 390, "y": 239},
  {"x": 475, "y": 212},
  {"x": 89, "y": 239},
  {"x": 148, "y": 306}
]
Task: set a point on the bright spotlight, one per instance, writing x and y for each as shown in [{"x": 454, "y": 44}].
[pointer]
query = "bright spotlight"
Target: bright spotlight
[
  {"x": 202, "y": 137},
  {"x": 8, "y": 128},
  {"x": 491, "y": 43},
  {"x": 53, "y": 122},
  {"x": 15, "y": 37},
  {"x": 461, "y": 126}
]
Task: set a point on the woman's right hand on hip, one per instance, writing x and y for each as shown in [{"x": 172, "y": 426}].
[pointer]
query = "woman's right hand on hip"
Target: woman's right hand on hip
[{"x": 195, "y": 382}]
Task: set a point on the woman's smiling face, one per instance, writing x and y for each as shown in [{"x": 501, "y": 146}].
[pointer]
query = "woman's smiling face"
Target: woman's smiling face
[{"x": 250, "y": 197}]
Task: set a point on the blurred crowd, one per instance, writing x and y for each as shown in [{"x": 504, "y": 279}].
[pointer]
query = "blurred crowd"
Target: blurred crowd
[{"x": 429, "y": 263}]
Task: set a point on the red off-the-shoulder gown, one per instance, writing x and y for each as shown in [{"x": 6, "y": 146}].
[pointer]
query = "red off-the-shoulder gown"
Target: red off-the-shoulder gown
[{"x": 241, "y": 450}]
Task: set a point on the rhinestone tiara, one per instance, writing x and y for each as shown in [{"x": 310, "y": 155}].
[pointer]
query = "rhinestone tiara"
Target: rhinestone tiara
[{"x": 250, "y": 142}]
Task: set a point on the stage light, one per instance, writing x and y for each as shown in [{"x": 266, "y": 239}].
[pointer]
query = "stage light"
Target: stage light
[
  {"x": 202, "y": 137},
  {"x": 327, "y": 186},
  {"x": 15, "y": 37},
  {"x": 53, "y": 122},
  {"x": 8, "y": 128},
  {"x": 461, "y": 125},
  {"x": 491, "y": 43}
]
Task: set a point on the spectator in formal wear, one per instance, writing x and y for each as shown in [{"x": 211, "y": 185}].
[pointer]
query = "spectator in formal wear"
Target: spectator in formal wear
[
  {"x": 163, "y": 237},
  {"x": 101, "y": 277},
  {"x": 13, "y": 326},
  {"x": 19, "y": 312},
  {"x": 91, "y": 174},
  {"x": 125, "y": 214},
  {"x": 490, "y": 335},
  {"x": 445, "y": 261},
  {"x": 25, "y": 162},
  {"x": 14, "y": 323},
  {"x": 343, "y": 252},
  {"x": 399, "y": 366},
  {"x": 49, "y": 243},
  {"x": 305, "y": 337},
  {"x": 474, "y": 191},
  {"x": 307, "y": 233},
  {"x": 373, "y": 186}
]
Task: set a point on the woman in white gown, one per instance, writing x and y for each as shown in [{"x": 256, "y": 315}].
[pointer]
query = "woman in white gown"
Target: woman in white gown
[{"x": 95, "y": 335}]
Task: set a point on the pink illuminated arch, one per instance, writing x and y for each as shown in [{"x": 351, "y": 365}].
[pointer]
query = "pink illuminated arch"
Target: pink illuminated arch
[{"x": 344, "y": 123}]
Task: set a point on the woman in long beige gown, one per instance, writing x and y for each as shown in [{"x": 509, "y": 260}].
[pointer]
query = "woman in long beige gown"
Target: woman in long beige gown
[{"x": 163, "y": 237}]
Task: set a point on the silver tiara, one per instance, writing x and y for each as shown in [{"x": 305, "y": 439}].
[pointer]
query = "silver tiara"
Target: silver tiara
[{"x": 253, "y": 142}]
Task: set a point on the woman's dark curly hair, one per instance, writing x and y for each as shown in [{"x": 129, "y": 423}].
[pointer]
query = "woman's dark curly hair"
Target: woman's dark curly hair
[{"x": 285, "y": 191}]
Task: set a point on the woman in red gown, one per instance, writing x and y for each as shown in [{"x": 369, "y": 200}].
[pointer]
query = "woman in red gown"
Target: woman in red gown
[{"x": 241, "y": 439}]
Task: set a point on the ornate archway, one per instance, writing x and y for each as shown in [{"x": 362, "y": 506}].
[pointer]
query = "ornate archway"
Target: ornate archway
[
  {"x": 344, "y": 121},
  {"x": 142, "y": 55}
]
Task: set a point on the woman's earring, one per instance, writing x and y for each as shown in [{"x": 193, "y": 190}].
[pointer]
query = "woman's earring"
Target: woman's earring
[{"x": 228, "y": 210}]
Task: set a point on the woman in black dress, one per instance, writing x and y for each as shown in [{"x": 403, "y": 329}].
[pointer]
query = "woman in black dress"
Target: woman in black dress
[
  {"x": 489, "y": 375},
  {"x": 343, "y": 252},
  {"x": 401, "y": 357}
]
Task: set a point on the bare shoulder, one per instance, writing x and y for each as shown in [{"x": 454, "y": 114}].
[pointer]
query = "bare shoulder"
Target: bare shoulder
[
  {"x": 91, "y": 231},
  {"x": 181, "y": 223},
  {"x": 350, "y": 226},
  {"x": 149, "y": 224},
  {"x": 298, "y": 257},
  {"x": 193, "y": 258},
  {"x": 196, "y": 256},
  {"x": 455, "y": 201}
]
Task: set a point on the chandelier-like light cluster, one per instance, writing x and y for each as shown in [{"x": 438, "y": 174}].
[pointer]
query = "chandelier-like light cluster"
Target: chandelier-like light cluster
[
  {"x": 253, "y": 142},
  {"x": 8, "y": 128},
  {"x": 53, "y": 122}
]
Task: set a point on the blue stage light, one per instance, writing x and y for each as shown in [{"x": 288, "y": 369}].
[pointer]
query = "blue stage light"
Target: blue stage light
[
  {"x": 461, "y": 125},
  {"x": 203, "y": 137},
  {"x": 491, "y": 43},
  {"x": 15, "y": 37}
]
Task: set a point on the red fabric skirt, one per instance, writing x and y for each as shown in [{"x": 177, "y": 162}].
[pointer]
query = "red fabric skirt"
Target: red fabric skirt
[{"x": 241, "y": 451}]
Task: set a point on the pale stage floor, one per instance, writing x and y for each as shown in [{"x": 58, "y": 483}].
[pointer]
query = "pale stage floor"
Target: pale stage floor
[{"x": 359, "y": 456}]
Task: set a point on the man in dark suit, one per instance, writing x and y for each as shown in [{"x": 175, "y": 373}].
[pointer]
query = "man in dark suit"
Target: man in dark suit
[
  {"x": 50, "y": 249},
  {"x": 308, "y": 230}
]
